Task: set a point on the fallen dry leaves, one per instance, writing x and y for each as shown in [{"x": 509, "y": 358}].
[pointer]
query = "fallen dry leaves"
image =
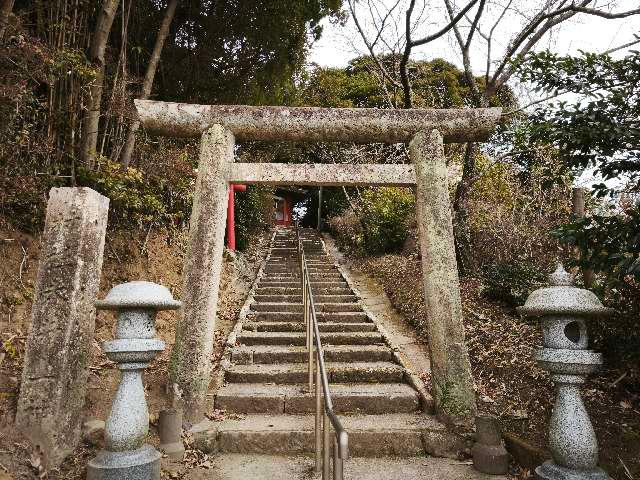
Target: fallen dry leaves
[{"x": 508, "y": 382}]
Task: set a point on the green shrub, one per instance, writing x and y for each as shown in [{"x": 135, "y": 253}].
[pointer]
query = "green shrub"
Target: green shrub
[
  {"x": 253, "y": 213},
  {"x": 608, "y": 244},
  {"x": 385, "y": 214},
  {"x": 511, "y": 282},
  {"x": 137, "y": 199},
  {"x": 379, "y": 223}
]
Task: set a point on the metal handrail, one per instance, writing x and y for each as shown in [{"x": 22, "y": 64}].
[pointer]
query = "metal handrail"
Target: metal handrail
[{"x": 324, "y": 411}]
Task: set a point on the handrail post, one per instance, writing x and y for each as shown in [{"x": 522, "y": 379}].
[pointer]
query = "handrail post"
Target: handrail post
[
  {"x": 310, "y": 334},
  {"x": 337, "y": 461},
  {"x": 318, "y": 433},
  {"x": 326, "y": 446}
]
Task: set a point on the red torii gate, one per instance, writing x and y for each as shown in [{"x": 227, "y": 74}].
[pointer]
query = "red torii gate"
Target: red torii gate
[{"x": 231, "y": 215}]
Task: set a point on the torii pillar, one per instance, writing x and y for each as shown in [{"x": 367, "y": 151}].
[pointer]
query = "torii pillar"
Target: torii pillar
[{"x": 190, "y": 369}]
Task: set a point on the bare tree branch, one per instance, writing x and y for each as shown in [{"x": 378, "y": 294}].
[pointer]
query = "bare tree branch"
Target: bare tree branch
[
  {"x": 410, "y": 44},
  {"x": 370, "y": 46},
  {"x": 464, "y": 48},
  {"x": 474, "y": 24},
  {"x": 602, "y": 13},
  {"x": 525, "y": 41},
  {"x": 490, "y": 40},
  {"x": 404, "y": 74},
  {"x": 622, "y": 47},
  {"x": 446, "y": 28}
]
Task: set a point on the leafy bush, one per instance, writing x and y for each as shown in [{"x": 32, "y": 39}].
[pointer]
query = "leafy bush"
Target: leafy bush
[
  {"x": 511, "y": 282},
  {"x": 511, "y": 213},
  {"x": 253, "y": 213},
  {"x": 608, "y": 244},
  {"x": 137, "y": 199},
  {"x": 379, "y": 223},
  {"x": 385, "y": 213}
]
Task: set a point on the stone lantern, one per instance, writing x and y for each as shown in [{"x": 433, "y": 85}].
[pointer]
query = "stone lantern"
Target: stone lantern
[
  {"x": 126, "y": 456},
  {"x": 563, "y": 308}
]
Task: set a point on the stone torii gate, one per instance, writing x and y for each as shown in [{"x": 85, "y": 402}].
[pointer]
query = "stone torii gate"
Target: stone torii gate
[{"x": 426, "y": 131}]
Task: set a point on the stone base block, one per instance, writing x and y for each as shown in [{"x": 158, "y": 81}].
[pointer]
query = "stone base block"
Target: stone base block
[
  {"x": 140, "y": 464},
  {"x": 551, "y": 471},
  {"x": 175, "y": 450}
]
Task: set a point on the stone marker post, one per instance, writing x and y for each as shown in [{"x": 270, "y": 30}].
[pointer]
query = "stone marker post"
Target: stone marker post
[
  {"x": 450, "y": 368},
  {"x": 563, "y": 308},
  {"x": 54, "y": 374},
  {"x": 126, "y": 456},
  {"x": 191, "y": 355}
]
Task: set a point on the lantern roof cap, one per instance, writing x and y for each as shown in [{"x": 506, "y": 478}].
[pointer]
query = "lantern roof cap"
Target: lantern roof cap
[
  {"x": 562, "y": 297},
  {"x": 139, "y": 294}
]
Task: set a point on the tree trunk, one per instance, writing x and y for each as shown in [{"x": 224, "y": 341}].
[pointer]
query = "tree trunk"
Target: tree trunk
[
  {"x": 97, "y": 48},
  {"x": 578, "y": 213},
  {"x": 147, "y": 84},
  {"x": 462, "y": 231},
  {"x": 5, "y": 11}
]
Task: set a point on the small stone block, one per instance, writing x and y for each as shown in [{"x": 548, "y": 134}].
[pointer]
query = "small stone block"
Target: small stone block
[
  {"x": 205, "y": 436},
  {"x": 490, "y": 459},
  {"x": 170, "y": 432},
  {"x": 93, "y": 432},
  {"x": 442, "y": 444},
  {"x": 175, "y": 451}
]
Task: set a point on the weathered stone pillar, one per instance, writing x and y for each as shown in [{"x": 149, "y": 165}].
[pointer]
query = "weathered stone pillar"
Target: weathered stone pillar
[
  {"x": 450, "y": 368},
  {"x": 54, "y": 374},
  {"x": 191, "y": 355}
]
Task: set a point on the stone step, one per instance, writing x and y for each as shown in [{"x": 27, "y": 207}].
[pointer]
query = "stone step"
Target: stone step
[
  {"x": 243, "y": 466},
  {"x": 298, "y": 298},
  {"x": 296, "y": 279},
  {"x": 398, "y": 435},
  {"x": 295, "y": 338},
  {"x": 317, "y": 290},
  {"x": 342, "y": 317},
  {"x": 294, "y": 276},
  {"x": 294, "y": 264},
  {"x": 301, "y": 327},
  {"x": 293, "y": 257},
  {"x": 298, "y": 307},
  {"x": 314, "y": 283},
  {"x": 298, "y": 354},
  {"x": 338, "y": 372},
  {"x": 295, "y": 399}
]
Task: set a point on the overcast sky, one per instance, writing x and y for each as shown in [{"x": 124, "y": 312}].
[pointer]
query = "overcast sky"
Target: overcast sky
[{"x": 340, "y": 44}]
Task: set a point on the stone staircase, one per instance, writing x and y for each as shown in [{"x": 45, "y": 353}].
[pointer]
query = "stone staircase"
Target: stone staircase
[{"x": 268, "y": 408}]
